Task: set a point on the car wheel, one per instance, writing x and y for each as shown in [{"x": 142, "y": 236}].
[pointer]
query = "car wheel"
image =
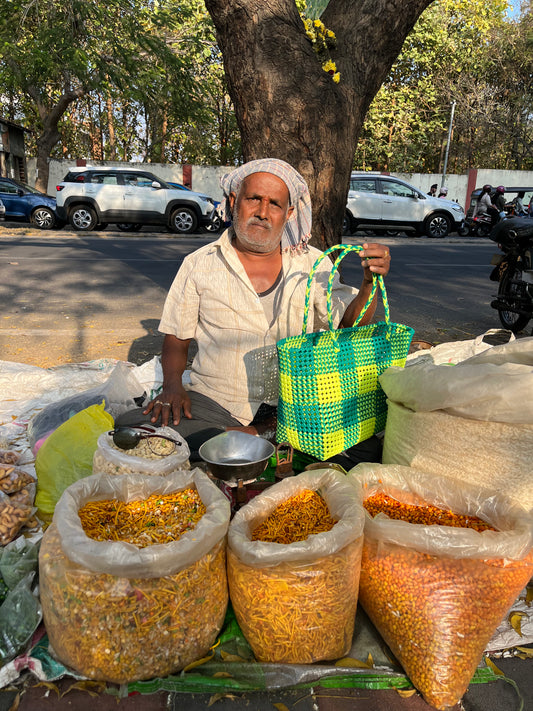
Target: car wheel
[
  {"x": 183, "y": 221},
  {"x": 346, "y": 225},
  {"x": 215, "y": 225},
  {"x": 43, "y": 218},
  {"x": 83, "y": 218},
  {"x": 129, "y": 226},
  {"x": 437, "y": 225}
]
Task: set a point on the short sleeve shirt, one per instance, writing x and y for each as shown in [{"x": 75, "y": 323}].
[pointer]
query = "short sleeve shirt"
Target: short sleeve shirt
[{"x": 213, "y": 301}]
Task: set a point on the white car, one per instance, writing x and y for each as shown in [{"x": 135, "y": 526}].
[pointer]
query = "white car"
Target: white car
[
  {"x": 381, "y": 203},
  {"x": 91, "y": 197}
]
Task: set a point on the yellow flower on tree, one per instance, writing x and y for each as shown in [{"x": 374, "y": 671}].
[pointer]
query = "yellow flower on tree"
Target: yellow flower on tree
[{"x": 329, "y": 67}]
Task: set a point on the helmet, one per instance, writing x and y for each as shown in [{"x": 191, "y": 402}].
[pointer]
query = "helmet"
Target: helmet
[
  {"x": 500, "y": 189},
  {"x": 444, "y": 191},
  {"x": 487, "y": 188}
]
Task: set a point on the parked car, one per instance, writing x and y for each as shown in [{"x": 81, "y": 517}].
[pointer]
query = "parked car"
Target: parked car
[
  {"x": 382, "y": 203},
  {"x": 216, "y": 223},
  {"x": 510, "y": 194},
  {"x": 22, "y": 202},
  {"x": 91, "y": 197},
  {"x": 2, "y": 210}
]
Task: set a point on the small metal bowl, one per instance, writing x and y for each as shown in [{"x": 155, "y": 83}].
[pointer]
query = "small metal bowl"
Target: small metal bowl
[{"x": 235, "y": 455}]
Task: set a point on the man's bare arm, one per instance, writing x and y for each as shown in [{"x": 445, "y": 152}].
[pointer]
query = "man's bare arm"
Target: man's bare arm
[{"x": 173, "y": 399}]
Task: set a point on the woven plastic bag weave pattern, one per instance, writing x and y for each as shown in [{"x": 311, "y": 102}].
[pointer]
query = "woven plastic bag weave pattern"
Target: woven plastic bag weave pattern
[{"x": 329, "y": 395}]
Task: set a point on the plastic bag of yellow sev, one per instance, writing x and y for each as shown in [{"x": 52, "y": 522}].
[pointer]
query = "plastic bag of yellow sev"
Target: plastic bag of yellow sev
[
  {"x": 295, "y": 602},
  {"x": 437, "y": 591},
  {"x": 119, "y": 611}
]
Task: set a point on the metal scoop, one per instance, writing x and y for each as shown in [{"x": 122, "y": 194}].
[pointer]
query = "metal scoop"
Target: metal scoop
[{"x": 129, "y": 437}]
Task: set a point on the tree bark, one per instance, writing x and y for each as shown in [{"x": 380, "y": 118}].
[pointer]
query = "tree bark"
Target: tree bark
[{"x": 286, "y": 105}]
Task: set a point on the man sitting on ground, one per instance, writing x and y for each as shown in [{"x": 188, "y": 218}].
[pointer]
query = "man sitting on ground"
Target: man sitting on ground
[{"x": 236, "y": 297}]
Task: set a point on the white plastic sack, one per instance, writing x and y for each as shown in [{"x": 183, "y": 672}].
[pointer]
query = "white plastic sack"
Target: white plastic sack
[
  {"x": 493, "y": 454},
  {"x": 109, "y": 460},
  {"x": 495, "y": 385},
  {"x": 453, "y": 352},
  {"x": 123, "y": 559}
]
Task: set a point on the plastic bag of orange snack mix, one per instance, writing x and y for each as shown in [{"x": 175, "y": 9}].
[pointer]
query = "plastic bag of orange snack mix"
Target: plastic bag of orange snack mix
[
  {"x": 133, "y": 574},
  {"x": 294, "y": 556},
  {"x": 443, "y": 561}
]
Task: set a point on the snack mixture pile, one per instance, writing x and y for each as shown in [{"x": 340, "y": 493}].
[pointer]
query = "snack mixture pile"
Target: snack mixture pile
[
  {"x": 128, "y": 629},
  {"x": 157, "y": 519}
]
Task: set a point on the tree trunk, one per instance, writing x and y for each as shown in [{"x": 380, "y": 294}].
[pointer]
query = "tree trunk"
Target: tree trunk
[
  {"x": 111, "y": 128},
  {"x": 50, "y": 136},
  {"x": 288, "y": 107}
]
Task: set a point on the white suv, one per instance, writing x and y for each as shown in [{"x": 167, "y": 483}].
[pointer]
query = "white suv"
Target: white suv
[
  {"x": 90, "y": 198},
  {"x": 381, "y": 202}
]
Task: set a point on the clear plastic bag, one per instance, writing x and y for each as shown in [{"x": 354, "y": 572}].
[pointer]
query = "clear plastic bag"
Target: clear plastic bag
[
  {"x": 20, "y": 614},
  {"x": 121, "y": 613},
  {"x": 295, "y": 603},
  {"x": 437, "y": 593},
  {"x": 110, "y": 460}
]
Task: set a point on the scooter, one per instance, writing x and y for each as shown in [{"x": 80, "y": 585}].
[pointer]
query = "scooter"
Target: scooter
[{"x": 513, "y": 270}]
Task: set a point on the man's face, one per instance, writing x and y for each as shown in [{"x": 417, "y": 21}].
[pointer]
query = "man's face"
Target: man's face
[{"x": 260, "y": 212}]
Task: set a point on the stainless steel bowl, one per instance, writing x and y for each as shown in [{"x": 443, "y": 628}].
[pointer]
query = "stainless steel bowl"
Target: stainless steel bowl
[{"x": 236, "y": 455}]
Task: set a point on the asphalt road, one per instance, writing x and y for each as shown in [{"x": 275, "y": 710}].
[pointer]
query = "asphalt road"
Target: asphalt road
[{"x": 71, "y": 297}]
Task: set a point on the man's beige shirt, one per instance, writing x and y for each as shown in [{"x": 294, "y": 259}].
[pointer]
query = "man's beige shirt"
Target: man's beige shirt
[{"x": 213, "y": 301}]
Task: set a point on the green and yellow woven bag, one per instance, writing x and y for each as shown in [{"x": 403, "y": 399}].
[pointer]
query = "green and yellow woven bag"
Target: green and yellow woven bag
[{"x": 329, "y": 394}]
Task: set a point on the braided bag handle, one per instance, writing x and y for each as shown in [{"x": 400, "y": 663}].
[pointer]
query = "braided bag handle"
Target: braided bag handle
[{"x": 377, "y": 280}]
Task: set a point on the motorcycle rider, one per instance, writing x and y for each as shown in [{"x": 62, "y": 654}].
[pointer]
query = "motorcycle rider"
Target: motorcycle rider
[
  {"x": 497, "y": 209},
  {"x": 484, "y": 202}
]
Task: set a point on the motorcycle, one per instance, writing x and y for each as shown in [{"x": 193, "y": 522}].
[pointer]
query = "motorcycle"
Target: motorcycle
[
  {"x": 513, "y": 270},
  {"x": 480, "y": 226}
]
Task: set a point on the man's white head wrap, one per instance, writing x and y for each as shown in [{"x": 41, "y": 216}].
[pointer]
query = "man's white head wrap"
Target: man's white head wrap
[{"x": 298, "y": 227}]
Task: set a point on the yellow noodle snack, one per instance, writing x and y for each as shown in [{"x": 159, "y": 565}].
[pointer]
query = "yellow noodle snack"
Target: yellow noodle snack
[
  {"x": 297, "y": 614},
  {"x": 296, "y": 519}
]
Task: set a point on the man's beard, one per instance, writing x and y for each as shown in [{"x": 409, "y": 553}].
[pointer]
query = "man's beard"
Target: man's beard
[{"x": 261, "y": 244}]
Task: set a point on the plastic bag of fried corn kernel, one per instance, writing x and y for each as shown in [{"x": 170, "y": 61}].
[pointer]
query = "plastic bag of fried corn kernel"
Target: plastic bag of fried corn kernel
[
  {"x": 295, "y": 601},
  {"x": 153, "y": 456},
  {"x": 442, "y": 563},
  {"x": 122, "y": 611}
]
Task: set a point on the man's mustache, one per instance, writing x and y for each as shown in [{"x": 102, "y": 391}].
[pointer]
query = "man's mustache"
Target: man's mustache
[{"x": 261, "y": 223}]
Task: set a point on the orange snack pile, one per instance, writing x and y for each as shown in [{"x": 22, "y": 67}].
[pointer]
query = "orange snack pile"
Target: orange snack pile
[
  {"x": 157, "y": 519},
  {"x": 436, "y": 612},
  {"x": 297, "y": 518},
  {"x": 427, "y": 515}
]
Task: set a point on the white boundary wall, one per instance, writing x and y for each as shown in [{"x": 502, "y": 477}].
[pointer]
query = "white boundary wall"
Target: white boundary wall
[{"x": 206, "y": 179}]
